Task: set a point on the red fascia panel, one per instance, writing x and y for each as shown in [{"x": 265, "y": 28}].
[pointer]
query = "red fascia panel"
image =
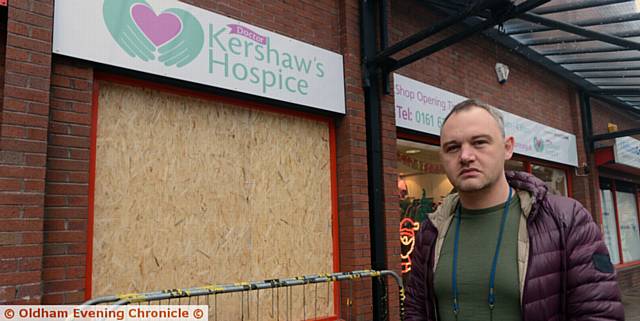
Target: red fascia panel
[
  {"x": 3, "y": 3},
  {"x": 604, "y": 156}
]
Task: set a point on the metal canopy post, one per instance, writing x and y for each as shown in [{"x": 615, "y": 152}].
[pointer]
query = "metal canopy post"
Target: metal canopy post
[
  {"x": 585, "y": 116},
  {"x": 372, "y": 86}
]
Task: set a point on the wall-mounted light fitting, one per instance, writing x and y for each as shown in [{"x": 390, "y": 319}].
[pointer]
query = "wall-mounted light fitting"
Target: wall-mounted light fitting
[{"x": 502, "y": 71}]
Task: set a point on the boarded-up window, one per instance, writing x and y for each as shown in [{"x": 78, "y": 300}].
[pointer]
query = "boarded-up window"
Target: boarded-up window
[{"x": 190, "y": 192}]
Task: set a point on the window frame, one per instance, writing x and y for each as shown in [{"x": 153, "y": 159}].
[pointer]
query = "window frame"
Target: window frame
[{"x": 612, "y": 182}]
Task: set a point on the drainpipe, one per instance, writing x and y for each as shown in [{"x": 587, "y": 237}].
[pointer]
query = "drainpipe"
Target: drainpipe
[{"x": 371, "y": 86}]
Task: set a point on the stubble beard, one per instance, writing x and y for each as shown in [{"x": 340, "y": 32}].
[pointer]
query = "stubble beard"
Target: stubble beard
[{"x": 474, "y": 185}]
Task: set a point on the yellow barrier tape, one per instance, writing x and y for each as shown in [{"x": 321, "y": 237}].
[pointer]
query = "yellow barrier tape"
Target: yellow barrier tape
[
  {"x": 175, "y": 292},
  {"x": 132, "y": 297},
  {"x": 211, "y": 288}
]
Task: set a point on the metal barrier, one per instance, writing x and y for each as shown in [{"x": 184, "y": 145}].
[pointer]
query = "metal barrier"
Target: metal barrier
[{"x": 193, "y": 295}]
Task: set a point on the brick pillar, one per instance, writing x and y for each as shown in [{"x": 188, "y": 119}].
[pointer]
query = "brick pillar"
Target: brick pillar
[
  {"x": 353, "y": 210},
  {"x": 67, "y": 188},
  {"x": 23, "y": 148}
]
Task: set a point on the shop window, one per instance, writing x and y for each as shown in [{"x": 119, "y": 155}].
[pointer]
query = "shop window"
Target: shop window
[
  {"x": 422, "y": 185},
  {"x": 556, "y": 179},
  {"x": 619, "y": 201},
  {"x": 628, "y": 219},
  {"x": 609, "y": 221}
]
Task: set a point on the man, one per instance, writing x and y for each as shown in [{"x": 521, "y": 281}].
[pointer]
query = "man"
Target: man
[{"x": 504, "y": 247}]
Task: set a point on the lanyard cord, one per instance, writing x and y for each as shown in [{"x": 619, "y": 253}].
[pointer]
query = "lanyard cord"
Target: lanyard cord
[{"x": 492, "y": 297}]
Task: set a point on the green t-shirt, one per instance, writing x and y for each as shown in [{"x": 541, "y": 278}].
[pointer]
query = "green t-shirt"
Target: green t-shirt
[{"x": 479, "y": 231}]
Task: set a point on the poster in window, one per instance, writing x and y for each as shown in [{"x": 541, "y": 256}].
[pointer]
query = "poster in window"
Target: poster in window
[
  {"x": 609, "y": 225},
  {"x": 629, "y": 234}
]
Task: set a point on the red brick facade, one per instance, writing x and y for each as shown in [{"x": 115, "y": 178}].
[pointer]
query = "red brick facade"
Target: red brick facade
[
  {"x": 23, "y": 147},
  {"x": 46, "y": 123}
]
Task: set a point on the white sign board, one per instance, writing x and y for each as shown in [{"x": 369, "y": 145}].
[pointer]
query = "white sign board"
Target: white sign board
[
  {"x": 627, "y": 151},
  {"x": 423, "y": 108},
  {"x": 180, "y": 41}
]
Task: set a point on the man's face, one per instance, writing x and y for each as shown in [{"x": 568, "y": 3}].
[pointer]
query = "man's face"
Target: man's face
[{"x": 473, "y": 150}]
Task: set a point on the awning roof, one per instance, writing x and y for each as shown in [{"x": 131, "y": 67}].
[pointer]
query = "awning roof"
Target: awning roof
[{"x": 595, "y": 44}]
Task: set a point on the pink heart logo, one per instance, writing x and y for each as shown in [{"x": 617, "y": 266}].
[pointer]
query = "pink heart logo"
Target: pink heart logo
[{"x": 158, "y": 28}]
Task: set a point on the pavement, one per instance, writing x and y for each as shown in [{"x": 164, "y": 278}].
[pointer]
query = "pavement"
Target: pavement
[{"x": 631, "y": 302}]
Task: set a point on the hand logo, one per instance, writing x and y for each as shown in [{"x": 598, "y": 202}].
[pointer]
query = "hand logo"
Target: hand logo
[
  {"x": 139, "y": 31},
  {"x": 187, "y": 45}
]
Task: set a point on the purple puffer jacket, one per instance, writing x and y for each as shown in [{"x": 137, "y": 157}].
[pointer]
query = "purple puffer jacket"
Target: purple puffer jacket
[{"x": 569, "y": 276}]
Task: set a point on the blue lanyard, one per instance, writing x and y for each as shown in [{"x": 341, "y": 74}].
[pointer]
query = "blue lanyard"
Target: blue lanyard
[{"x": 492, "y": 297}]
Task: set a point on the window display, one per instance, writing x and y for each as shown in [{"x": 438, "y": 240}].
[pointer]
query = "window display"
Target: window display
[
  {"x": 422, "y": 184},
  {"x": 556, "y": 179}
]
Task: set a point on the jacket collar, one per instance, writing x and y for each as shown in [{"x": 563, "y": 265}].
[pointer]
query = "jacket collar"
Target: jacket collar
[{"x": 530, "y": 189}]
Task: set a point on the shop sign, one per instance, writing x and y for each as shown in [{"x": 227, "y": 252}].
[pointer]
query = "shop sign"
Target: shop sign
[
  {"x": 177, "y": 40},
  {"x": 627, "y": 151},
  {"x": 408, "y": 230},
  {"x": 422, "y": 166},
  {"x": 423, "y": 108}
]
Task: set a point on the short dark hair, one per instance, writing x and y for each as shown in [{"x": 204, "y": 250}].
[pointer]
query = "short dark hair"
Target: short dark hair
[{"x": 470, "y": 103}]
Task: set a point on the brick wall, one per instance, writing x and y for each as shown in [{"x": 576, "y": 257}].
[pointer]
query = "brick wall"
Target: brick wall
[
  {"x": 3, "y": 45},
  {"x": 23, "y": 146}
]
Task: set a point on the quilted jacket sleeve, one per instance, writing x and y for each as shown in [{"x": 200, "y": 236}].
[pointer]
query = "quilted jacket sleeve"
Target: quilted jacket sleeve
[
  {"x": 592, "y": 289},
  {"x": 415, "y": 301}
]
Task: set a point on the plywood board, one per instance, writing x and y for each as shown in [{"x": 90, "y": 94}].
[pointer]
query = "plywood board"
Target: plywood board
[{"x": 191, "y": 192}]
